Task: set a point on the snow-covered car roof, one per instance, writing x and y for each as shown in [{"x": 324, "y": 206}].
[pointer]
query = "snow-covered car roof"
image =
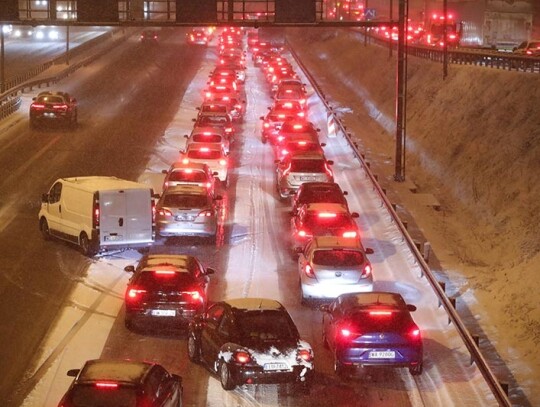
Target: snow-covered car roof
[{"x": 254, "y": 304}]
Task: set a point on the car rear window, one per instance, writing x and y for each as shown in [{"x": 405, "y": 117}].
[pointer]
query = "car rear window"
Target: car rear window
[
  {"x": 209, "y": 120},
  {"x": 153, "y": 279},
  {"x": 50, "y": 99},
  {"x": 321, "y": 195},
  {"x": 204, "y": 154},
  {"x": 307, "y": 165},
  {"x": 183, "y": 201},
  {"x": 322, "y": 224},
  {"x": 267, "y": 325},
  {"x": 338, "y": 258},
  {"x": 88, "y": 395},
  {"x": 187, "y": 176},
  {"x": 207, "y": 138},
  {"x": 364, "y": 322}
]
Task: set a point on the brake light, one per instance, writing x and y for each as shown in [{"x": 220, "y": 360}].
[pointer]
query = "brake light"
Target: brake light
[
  {"x": 284, "y": 152},
  {"x": 106, "y": 385},
  {"x": 266, "y": 125},
  {"x": 60, "y": 107},
  {"x": 134, "y": 294},
  {"x": 288, "y": 105},
  {"x": 208, "y": 94},
  {"x": 280, "y": 138},
  {"x": 298, "y": 127},
  {"x": 163, "y": 273},
  {"x": 302, "y": 143},
  {"x": 164, "y": 212},
  {"x": 189, "y": 170},
  {"x": 300, "y": 114},
  {"x": 380, "y": 313},
  {"x": 242, "y": 357},
  {"x": 228, "y": 129},
  {"x": 166, "y": 185},
  {"x": 305, "y": 355},
  {"x": 302, "y": 233},
  {"x": 206, "y": 133},
  {"x": 195, "y": 295},
  {"x": 302, "y": 101},
  {"x": 185, "y": 160},
  {"x": 351, "y": 234},
  {"x": 205, "y": 213},
  {"x": 327, "y": 215},
  {"x": 208, "y": 185},
  {"x": 223, "y": 162},
  {"x": 367, "y": 270},
  {"x": 96, "y": 213},
  {"x": 204, "y": 149},
  {"x": 281, "y": 116},
  {"x": 153, "y": 211},
  {"x": 309, "y": 271},
  {"x": 38, "y": 106},
  {"x": 415, "y": 333}
]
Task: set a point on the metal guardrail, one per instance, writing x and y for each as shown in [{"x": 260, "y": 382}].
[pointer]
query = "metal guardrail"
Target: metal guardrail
[
  {"x": 476, "y": 355},
  {"x": 10, "y": 100}
]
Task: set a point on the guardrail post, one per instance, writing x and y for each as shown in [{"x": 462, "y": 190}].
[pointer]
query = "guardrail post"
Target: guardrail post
[
  {"x": 427, "y": 251},
  {"x": 504, "y": 386},
  {"x": 443, "y": 287},
  {"x": 476, "y": 340}
]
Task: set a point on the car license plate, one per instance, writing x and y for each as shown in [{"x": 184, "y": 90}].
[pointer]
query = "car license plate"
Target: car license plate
[
  {"x": 307, "y": 179},
  {"x": 276, "y": 366},
  {"x": 114, "y": 238},
  {"x": 382, "y": 355},
  {"x": 49, "y": 115},
  {"x": 163, "y": 313}
]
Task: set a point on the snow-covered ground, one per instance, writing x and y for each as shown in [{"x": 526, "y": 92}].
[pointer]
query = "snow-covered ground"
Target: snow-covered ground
[{"x": 473, "y": 142}]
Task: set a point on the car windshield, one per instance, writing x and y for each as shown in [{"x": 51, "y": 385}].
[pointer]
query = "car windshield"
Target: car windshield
[
  {"x": 265, "y": 325},
  {"x": 207, "y": 138},
  {"x": 164, "y": 279},
  {"x": 187, "y": 176},
  {"x": 211, "y": 120},
  {"x": 204, "y": 154},
  {"x": 307, "y": 165},
  {"x": 89, "y": 395},
  {"x": 185, "y": 201},
  {"x": 338, "y": 258}
]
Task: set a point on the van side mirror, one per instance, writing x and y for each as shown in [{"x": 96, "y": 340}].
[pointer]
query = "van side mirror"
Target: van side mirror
[
  {"x": 369, "y": 250},
  {"x": 44, "y": 198},
  {"x": 129, "y": 269}
]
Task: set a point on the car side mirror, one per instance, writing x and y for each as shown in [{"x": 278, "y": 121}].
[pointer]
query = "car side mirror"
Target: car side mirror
[
  {"x": 210, "y": 270},
  {"x": 318, "y": 129},
  {"x": 330, "y": 162},
  {"x": 177, "y": 378},
  {"x": 156, "y": 196},
  {"x": 198, "y": 108},
  {"x": 186, "y": 136},
  {"x": 73, "y": 372},
  {"x": 164, "y": 171},
  {"x": 73, "y": 100},
  {"x": 369, "y": 250},
  {"x": 34, "y": 98},
  {"x": 355, "y": 215},
  {"x": 345, "y": 193},
  {"x": 215, "y": 173},
  {"x": 323, "y": 144},
  {"x": 129, "y": 269},
  {"x": 181, "y": 151},
  {"x": 261, "y": 118},
  {"x": 45, "y": 198},
  {"x": 269, "y": 108},
  {"x": 299, "y": 250},
  {"x": 193, "y": 120},
  {"x": 411, "y": 307}
]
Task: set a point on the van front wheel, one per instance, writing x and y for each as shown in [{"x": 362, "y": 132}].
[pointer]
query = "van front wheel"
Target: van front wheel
[
  {"x": 86, "y": 245},
  {"x": 44, "y": 229}
]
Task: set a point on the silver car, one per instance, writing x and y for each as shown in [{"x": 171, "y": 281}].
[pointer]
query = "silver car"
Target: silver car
[
  {"x": 294, "y": 170},
  {"x": 188, "y": 210},
  {"x": 330, "y": 266}
]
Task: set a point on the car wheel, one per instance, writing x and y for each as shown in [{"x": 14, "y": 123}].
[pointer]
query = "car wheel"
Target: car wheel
[
  {"x": 193, "y": 349},
  {"x": 416, "y": 370},
  {"x": 128, "y": 323},
  {"x": 85, "y": 245},
  {"x": 225, "y": 377},
  {"x": 44, "y": 229}
]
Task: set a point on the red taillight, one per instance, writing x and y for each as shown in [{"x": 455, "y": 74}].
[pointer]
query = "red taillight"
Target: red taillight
[
  {"x": 415, "y": 333},
  {"x": 309, "y": 271},
  {"x": 134, "y": 294},
  {"x": 380, "y": 313},
  {"x": 185, "y": 160},
  {"x": 223, "y": 162},
  {"x": 164, "y": 212},
  {"x": 228, "y": 129},
  {"x": 305, "y": 355},
  {"x": 60, "y": 107},
  {"x": 351, "y": 234},
  {"x": 266, "y": 125},
  {"x": 208, "y": 94},
  {"x": 106, "y": 385},
  {"x": 165, "y": 186},
  {"x": 302, "y": 233},
  {"x": 208, "y": 185},
  {"x": 242, "y": 357},
  {"x": 327, "y": 215},
  {"x": 164, "y": 273},
  {"x": 284, "y": 152},
  {"x": 367, "y": 270},
  {"x": 37, "y": 106},
  {"x": 96, "y": 213},
  {"x": 205, "y": 213},
  {"x": 195, "y": 295},
  {"x": 300, "y": 114},
  {"x": 298, "y": 127}
]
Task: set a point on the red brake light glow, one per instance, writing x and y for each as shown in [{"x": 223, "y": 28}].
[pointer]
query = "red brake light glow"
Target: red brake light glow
[
  {"x": 106, "y": 385},
  {"x": 309, "y": 271},
  {"x": 305, "y": 354},
  {"x": 133, "y": 293},
  {"x": 350, "y": 234},
  {"x": 242, "y": 357},
  {"x": 297, "y": 126},
  {"x": 164, "y": 273},
  {"x": 222, "y": 162},
  {"x": 380, "y": 313},
  {"x": 327, "y": 215}
]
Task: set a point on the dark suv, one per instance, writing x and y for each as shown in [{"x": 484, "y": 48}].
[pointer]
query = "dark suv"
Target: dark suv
[
  {"x": 166, "y": 288},
  {"x": 113, "y": 383},
  {"x": 53, "y": 107},
  {"x": 318, "y": 192},
  {"x": 250, "y": 340}
]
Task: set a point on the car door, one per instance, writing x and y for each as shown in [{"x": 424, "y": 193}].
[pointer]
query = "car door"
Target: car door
[
  {"x": 160, "y": 388},
  {"x": 209, "y": 333},
  {"x": 54, "y": 209},
  {"x": 331, "y": 321}
]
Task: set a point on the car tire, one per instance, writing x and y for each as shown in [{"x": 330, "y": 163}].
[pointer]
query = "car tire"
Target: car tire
[
  {"x": 86, "y": 246},
  {"x": 44, "y": 229},
  {"x": 225, "y": 377},
  {"x": 193, "y": 349},
  {"x": 416, "y": 370}
]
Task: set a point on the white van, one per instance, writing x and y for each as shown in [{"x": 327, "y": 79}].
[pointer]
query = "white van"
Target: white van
[{"x": 98, "y": 213}]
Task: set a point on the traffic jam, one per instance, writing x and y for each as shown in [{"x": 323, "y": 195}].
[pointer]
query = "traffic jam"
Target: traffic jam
[{"x": 251, "y": 337}]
